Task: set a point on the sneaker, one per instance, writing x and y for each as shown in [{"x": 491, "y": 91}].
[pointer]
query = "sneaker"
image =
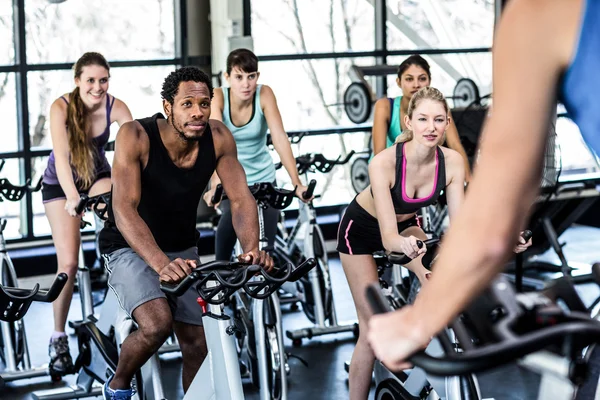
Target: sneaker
[
  {"x": 61, "y": 361},
  {"x": 116, "y": 394}
]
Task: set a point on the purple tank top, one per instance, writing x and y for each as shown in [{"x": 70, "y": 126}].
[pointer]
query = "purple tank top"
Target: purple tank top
[{"x": 100, "y": 162}]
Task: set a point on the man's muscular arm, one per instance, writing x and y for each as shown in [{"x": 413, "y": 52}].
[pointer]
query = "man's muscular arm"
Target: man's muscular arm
[{"x": 131, "y": 150}]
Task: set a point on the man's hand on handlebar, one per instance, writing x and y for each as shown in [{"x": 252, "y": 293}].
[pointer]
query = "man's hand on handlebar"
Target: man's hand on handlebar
[
  {"x": 176, "y": 270},
  {"x": 395, "y": 336},
  {"x": 522, "y": 244},
  {"x": 258, "y": 257}
]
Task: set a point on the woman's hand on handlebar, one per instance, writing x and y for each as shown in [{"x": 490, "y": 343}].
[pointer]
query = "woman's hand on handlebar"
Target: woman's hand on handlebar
[
  {"x": 257, "y": 257},
  {"x": 522, "y": 245},
  {"x": 176, "y": 270},
  {"x": 71, "y": 206},
  {"x": 408, "y": 246},
  {"x": 301, "y": 189},
  {"x": 208, "y": 195},
  {"x": 395, "y": 336}
]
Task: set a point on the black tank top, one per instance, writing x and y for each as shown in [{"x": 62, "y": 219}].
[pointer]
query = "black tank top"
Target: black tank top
[
  {"x": 403, "y": 204},
  {"x": 170, "y": 195}
]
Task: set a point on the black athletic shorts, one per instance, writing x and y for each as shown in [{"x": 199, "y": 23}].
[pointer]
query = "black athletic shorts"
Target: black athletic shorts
[
  {"x": 55, "y": 192},
  {"x": 359, "y": 232}
]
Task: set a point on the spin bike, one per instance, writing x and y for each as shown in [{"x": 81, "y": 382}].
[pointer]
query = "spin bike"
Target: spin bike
[
  {"x": 549, "y": 332},
  {"x": 99, "y": 339},
  {"x": 14, "y": 348},
  {"x": 306, "y": 241},
  {"x": 261, "y": 328},
  {"x": 414, "y": 383},
  {"x": 219, "y": 375},
  {"x": 15, "y": 302}
]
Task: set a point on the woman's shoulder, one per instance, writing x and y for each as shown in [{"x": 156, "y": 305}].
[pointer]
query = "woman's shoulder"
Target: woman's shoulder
[
  {"x": 453, "y": 160},
  {"x": 450, "y": 155}
]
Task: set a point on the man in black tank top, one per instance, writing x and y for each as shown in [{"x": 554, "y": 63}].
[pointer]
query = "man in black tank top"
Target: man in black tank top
[{"x": 160, "y": 170}]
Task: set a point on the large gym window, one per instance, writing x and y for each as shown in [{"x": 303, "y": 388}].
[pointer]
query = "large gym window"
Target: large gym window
[
  {"x": 120, "y": 30},
  {"x": 439, "y": 24},
  {"x": 137, "y": 37},
  {"x": 312, "y": 26}
]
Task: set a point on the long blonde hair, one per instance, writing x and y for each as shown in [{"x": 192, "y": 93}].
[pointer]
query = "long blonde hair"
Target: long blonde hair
[
  {"x": 81, "y": 148},
  {"x": 426, "y": 93}
]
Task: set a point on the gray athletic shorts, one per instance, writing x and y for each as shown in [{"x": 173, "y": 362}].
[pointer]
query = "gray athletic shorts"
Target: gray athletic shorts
[{"x": 135, "y": 283}]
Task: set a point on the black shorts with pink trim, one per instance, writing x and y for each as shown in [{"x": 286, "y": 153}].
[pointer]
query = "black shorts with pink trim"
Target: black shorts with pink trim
[{"x": 359, "y": 233}]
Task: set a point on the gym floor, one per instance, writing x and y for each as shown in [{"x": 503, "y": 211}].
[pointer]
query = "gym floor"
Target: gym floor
[{"x": 325, "y": 377}]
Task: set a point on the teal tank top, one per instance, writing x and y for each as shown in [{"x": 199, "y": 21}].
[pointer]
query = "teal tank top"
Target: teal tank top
[
  {"x": 251, "y": 141},
  {"x": 394, "y": 129}
]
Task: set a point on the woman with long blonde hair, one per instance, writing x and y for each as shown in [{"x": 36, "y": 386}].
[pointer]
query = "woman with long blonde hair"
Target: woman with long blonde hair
[{"x": 79, "y": 127}]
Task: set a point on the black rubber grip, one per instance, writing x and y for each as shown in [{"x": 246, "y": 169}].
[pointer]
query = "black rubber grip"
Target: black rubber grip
[
  {"x": 596, "y": 272},
  {"x": 310, "y": 190},
  {"x": 216, "y": 197},
  {"x": 526, "y": 235},
  {"x": 83, "y": 198},
  {"x": 52, "y": 294}
]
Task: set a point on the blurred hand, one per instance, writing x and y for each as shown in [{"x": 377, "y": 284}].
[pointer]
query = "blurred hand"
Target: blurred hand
[
  {"x": 393, "y": 338},
  {"x": 522, "y": 245}
]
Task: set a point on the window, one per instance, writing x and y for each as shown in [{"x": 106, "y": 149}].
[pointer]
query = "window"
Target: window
[
  {"x": 120, "y": 30},
  {"x": 11, "y": 210},
  {"x": 7, "y": 44},
  {"x": 441, "y": 24},
  {"x": 312, "y": 26},
  {"x": 334, "y": 187},
  {"x": 8, "y": 113},
  {"x": 447, "y": 69},
  {"x": 309, "y": 92},
  {"x": 138, "y": 87}
]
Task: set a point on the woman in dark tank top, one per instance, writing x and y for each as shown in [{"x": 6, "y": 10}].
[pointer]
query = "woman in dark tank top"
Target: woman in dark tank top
[
  {"x": 404, "y": 177},
  {"x": 80, "y": 127}
]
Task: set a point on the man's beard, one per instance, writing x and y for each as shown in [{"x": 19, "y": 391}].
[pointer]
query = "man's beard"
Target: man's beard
[{"x": 181, "y": 134}]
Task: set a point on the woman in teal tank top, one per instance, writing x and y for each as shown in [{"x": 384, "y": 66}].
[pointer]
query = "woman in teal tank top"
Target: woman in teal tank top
[
  {"x": 249, "y": 110},
  {"x": 388, "y": 123}
]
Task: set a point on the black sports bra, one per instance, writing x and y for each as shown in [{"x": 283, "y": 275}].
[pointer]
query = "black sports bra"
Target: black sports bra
[{"x": 404, "y": 204}]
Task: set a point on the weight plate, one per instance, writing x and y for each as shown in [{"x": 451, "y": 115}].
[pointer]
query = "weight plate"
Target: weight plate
[
  {"x": 357, "y": 102},
  {"x": 465, "y": 93},
  {"x": 359, "y": 174}
]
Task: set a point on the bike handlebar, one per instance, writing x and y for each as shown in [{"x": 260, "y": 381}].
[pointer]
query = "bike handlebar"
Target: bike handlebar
[
  {"x": 264, "y": 193},
  {"x": 518, "y": 333},
  {"x": 15, "y": 193},
  {"x": 14, "y": 302},
  {"x": 97, "y": 203},
  {"x": 228, "y": 277},
  {"x": 309, "y": 190},
  {"x": 317, "y": 162}
]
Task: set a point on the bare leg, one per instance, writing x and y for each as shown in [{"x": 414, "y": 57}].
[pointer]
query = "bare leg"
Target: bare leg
[
  {"x": 154, "y": 327},
  {"x": 65, "y": 234},
  {"x": 193, "y": 348},
  {"x": 361, "y": 271}
]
